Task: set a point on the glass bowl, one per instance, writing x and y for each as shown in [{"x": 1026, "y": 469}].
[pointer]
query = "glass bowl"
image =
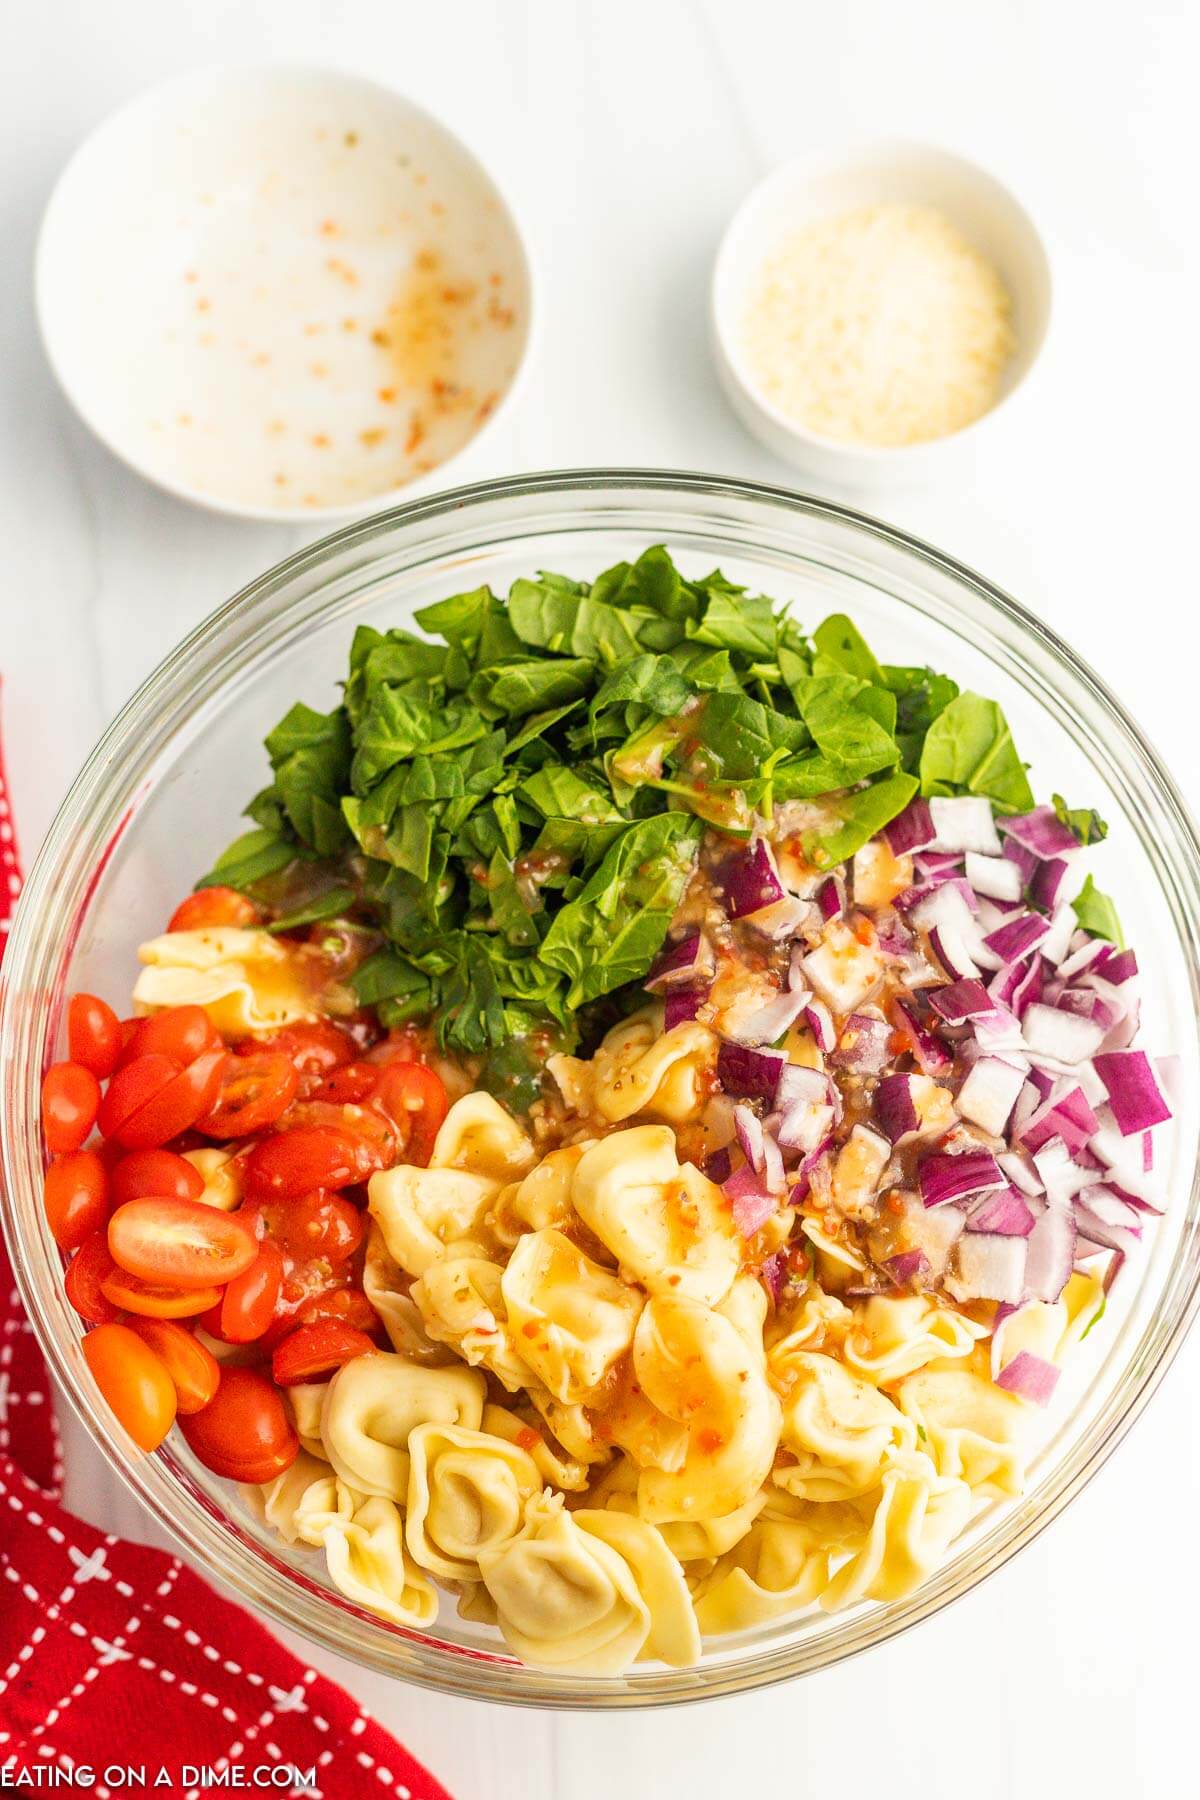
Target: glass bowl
[{"x": 159, "y": 798}]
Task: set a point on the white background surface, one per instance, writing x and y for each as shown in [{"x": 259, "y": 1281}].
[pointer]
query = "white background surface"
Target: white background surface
[{"x": 626, "y": 133}]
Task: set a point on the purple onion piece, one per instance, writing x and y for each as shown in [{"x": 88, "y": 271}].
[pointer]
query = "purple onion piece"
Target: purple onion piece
[
  {"x": 895, "y": 1111},
  {"x": 1030, "y": 1376},
  {"x": 681, "y": 1004},
  {"x": 942, "y": 1178},
  {"x": 910, "y": 830},
  {"x": 1041, "y": 832},
  {"x": 906, "y": 1266},
  {"x": 1017, "y": 938},
  {"x": 864, "y": 1045},
  {"x": 751, "y": 881},
  {"x": 1005, "y": 1212},
  {"x": 680, "y": 963},
  {"x": 749, "y": 1074},
  {"x": 961, "y": 1000},
  {"x": 1134, "y": 1094}
]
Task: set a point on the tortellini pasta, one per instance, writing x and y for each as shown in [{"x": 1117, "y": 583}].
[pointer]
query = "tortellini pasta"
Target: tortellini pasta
[
  {"x": 246, "y": 980},
  {"x": 973, "y": 1429},
  {"x": 600, "y": 1427},
  {"x": 461, "y": 1304},
  {"x": 589, "y": 1591},
  {"x": 375, "y": 1401},
  {"x": 639, "y": 1067},
  {"x": 467, "y": 1493},
  {"x": 841, "y": 1431},
  {"x": 423, "y": 1211},
  {"x": 478, "y": 1135},
  {"x": 894, "y": 1336},
  {"x": 916, "y": 1518},
  {"x": 694, "y": 1365},
  {"x": 669, "y": 1227},
  {"x": 571, "y": 1318}
]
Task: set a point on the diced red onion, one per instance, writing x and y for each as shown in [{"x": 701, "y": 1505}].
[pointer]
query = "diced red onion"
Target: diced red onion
[
  {"x": 995, "y": 876},
  {"x": 1017, "y": 938},
  {"x": 783, "y": 919},
  {"x": 798, "y": 1083},
  {"x": 1025, "y": 859},
  {"x": 1042, "y": 832},
  {"x": 1030, "y": 1376},
  {"x": 751, "y": 1203},
  {"x": 1020, "y": 1173},
  {"x": 747, "y": 1073},
  {"x": 1004, "y": 1313},
  {"x": 1046, "y": 885},
  {"x": 751, "y": 881},
  {"x": 960, "y": 1001},
  {"x": 831, "y": 898},
  {"x": 1084, "y": 955},
  {"x": 718, "y": 1165},
  {"x": 935, "y": 865},
  {"x": 1064, "y": 1115},
  {"x": 774, "y": 1174},
  {"x": 990, "y": 1266},
  {"x": 681, "y": 1004},
  {"x": 773, "y": 1274},
  {"x": 772, "y": 1020},
  {"x": 988, "y": 1094},
  {"x": 1134, "y": 1094},
  {"x": 681, "y": 962},
  {"x": 1004, "y": 1211},
  {"x": 1050, "y": 1254},
  {"x": 804, "y": 1127},
  {"x": 1117, "y": 966},
  {"x": 749, "y": 1130},
  {"x": 905, "y": 1267},
  {"x": 819, "y": 1020},
  {"x": 964, "y": 822},
  {"x": 864, "y": 1045},
  {"x": 1061, "y": 1035},
  {"x": 894, "y": 1107},
  {"x": 945, "y": 1178},
  {"x": 1056, "y": 943},
  {"x": 910, "y": 830},
  {"x": 930, "y": 1053}
]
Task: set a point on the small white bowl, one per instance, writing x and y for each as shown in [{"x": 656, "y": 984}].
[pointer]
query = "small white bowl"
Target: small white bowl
[
  {"x": 281, "y": 292},
  {"x": 822, "y": 185}
]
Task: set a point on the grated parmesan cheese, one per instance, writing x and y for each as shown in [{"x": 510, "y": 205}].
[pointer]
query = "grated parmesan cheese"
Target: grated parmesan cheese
[{"x": 881, "y": 326}]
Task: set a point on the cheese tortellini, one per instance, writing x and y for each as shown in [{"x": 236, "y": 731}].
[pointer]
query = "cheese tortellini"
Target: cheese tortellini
[
  {"x": 669, "y": 1227},
  {"x": 246, "y": 980},
  {"x": 600, "y": 1429}
]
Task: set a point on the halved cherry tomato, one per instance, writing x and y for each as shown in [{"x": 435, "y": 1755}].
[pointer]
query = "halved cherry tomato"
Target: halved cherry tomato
[
  {"x": 314, "y": 1048},
  {"x": 294, "y": 1162},
  {"x": 347, "y": 1304},
  {"x": 404, "y": 1044},
  {"x": 181, "y": 1032},
  {"x": 255, "y": 1091},
  {"x": 213, "y": 906},
  {"x": 155, "y": 1172},
  {"x": 134, "y": 1381},
  {"x": 70, "y": 1102},
  {"x": 180, "y": 1243},
  {"x": 130, "y": 1088},
  {"x": 415, "y": 1099},
  {"x": 244, "y": 1432},
  {"x": 352, "y": 1084},
  {"x": 87, "y": 1270},
  {"x": 317, "y": 1225},
  {"x": 156, "y": 1099},
  {"x": 314, "y": 1352},
  {"x": 194, "y": 1371},
  {"x": 93, "y": 1034},
  {"x": 248, "y": 1303},
  {"x": 153, "y": 1301},
  {"x": 76, "y": 1197}
]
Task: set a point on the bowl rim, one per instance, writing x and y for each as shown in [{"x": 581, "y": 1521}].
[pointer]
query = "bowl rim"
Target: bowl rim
[
  {"x": 879, "y": 458},
  {"x": 200, "y": 79},
  {"x": 252, "y": 1573}
]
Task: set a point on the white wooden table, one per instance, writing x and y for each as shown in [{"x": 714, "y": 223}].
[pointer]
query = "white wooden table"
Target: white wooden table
[{"x": 626, "y": 133}]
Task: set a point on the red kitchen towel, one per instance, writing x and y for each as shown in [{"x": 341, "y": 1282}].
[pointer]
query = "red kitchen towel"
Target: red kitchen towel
[{"x": 115, "y": 1660}]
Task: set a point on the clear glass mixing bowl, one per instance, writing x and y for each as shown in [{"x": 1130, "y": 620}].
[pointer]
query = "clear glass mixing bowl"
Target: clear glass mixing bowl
[{"x": 160, "y": 797}]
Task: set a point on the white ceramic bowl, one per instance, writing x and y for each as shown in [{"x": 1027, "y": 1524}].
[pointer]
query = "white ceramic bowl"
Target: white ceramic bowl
[
  {"x": 282, "y": 292},
  {"x": 817, "y": 186}
]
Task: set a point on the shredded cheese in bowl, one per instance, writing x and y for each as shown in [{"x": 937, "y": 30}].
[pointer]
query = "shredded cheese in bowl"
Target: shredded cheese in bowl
[{"x": 880, "y": 326}]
